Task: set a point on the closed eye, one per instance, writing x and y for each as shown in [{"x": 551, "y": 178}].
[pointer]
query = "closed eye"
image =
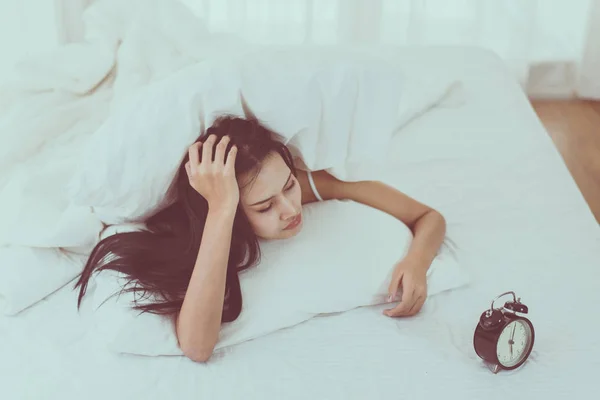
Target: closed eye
[
  {"x": 264, "y": 210},
  {"x": 290, "y": 187}
]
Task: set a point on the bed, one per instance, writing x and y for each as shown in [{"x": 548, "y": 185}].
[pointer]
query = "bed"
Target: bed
[{"x": 518, "y": 223}]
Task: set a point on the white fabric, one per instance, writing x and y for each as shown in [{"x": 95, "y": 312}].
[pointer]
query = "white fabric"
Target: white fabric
[
  {"x": 331, "y": 106},
  {"x": 94, "y": 105},
  {"x": 518, "y": 222},
  {"x": 26, "y": 27},
  {"x": 311, "y": 181},
  {"x": 48, "y": 268},
  {"x": 336, "y": 263},
  {"x": 48, "y": 115}
]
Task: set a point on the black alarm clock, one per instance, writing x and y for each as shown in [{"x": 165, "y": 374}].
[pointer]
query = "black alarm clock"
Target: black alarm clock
[{"x": 503, "y": 338}]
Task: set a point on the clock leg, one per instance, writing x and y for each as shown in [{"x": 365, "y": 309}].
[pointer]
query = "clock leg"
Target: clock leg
[{"x": 492, "y": 367}]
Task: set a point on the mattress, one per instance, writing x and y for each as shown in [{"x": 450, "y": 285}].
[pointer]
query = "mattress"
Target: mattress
[{"x": 517, "y": 222}]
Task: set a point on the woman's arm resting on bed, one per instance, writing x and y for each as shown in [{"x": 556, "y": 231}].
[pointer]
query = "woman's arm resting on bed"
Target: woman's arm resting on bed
[
  {"x": 411, "y": 272},
  {"x": 428, "y": 227}
]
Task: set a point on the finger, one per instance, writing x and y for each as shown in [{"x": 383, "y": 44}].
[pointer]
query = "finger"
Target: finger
[
  {"x": 405, "y": 304},
  {"x": 207, "y": 149},
  {"x": 410, "y": 304},
  {"x": 417, "y": 306},
  {"x": 393, "y": 288},
  {"x": 194, "y": 155},
  {"x": 408, "y": 296},
  {"x": 230, "y": 163},
  {"x": 400, "y": 310},
  {"x": 220, "y": 153}
]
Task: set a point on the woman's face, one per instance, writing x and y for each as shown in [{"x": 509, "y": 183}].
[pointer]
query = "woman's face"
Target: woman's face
[{"x": 272, "y": 202}]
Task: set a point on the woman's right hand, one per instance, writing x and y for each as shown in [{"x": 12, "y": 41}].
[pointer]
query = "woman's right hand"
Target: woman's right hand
[{"x": 214, "y": 180}]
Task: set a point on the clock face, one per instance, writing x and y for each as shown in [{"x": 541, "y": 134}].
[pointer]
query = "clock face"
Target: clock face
[{"x": 514, "y": 343}]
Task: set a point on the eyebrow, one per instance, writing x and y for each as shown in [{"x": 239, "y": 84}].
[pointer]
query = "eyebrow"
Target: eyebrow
[{"x": 265, "y": 200}]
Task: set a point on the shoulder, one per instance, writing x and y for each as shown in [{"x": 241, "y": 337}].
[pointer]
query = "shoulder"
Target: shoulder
[{"x": 326, "y": 185}]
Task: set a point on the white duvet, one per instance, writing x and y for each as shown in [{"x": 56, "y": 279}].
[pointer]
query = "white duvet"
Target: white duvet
[{"x": 75, "y": 98}]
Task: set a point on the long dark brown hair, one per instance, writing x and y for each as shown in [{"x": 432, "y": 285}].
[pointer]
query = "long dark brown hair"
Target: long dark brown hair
[{"x": 159, "y": 260}]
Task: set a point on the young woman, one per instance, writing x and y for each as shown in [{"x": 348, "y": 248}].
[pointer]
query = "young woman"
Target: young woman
[{"x": 238, "y": 183}]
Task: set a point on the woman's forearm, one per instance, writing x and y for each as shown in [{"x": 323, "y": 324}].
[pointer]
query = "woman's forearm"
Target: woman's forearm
[
  {"x": 428, "y": 225},
  {"x": 199, "y": 321},
  {"x": 429, "y": 232}
]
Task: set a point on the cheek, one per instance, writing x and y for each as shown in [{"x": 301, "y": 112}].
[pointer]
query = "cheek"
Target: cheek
[
  {"x": 298, "y": 195},
  {"x": 263, "y": 223},
  {"x": 297, "y": 198}
]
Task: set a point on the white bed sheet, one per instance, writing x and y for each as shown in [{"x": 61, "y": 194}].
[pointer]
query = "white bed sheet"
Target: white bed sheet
[{"x": 519, "y": 223}]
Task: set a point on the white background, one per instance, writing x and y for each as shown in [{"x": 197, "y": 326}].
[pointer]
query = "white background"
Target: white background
[{"x": 548, "y": 44}]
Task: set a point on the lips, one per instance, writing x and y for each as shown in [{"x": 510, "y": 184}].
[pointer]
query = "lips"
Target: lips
[{"x": 294, "y": 222}]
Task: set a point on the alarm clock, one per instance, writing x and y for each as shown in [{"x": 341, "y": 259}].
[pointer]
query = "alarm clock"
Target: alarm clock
[{"x": 504, "y": 339}]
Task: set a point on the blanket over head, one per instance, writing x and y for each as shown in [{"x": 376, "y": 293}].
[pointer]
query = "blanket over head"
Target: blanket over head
[{"x": 64, "y": 103}]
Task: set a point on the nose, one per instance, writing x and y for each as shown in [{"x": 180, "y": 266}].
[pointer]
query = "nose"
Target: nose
[{"x": 288, "y": 210}]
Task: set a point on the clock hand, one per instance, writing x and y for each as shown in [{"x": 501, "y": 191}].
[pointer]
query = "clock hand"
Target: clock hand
[{"x": 511, "y": 341}]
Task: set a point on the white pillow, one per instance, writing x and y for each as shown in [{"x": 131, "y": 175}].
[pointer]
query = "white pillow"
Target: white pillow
[
  {"x": 342, "y": 259},
  {"x": 331, "y": 107}
]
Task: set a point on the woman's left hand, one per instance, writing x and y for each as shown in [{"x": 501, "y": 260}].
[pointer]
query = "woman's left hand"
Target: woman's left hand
[{"x": 412, "y": 276}]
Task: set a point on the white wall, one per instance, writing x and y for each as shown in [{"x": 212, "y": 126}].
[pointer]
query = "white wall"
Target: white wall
[
  {"x": 545, "y": 42},
  {"x": 589, "y": 79}
]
